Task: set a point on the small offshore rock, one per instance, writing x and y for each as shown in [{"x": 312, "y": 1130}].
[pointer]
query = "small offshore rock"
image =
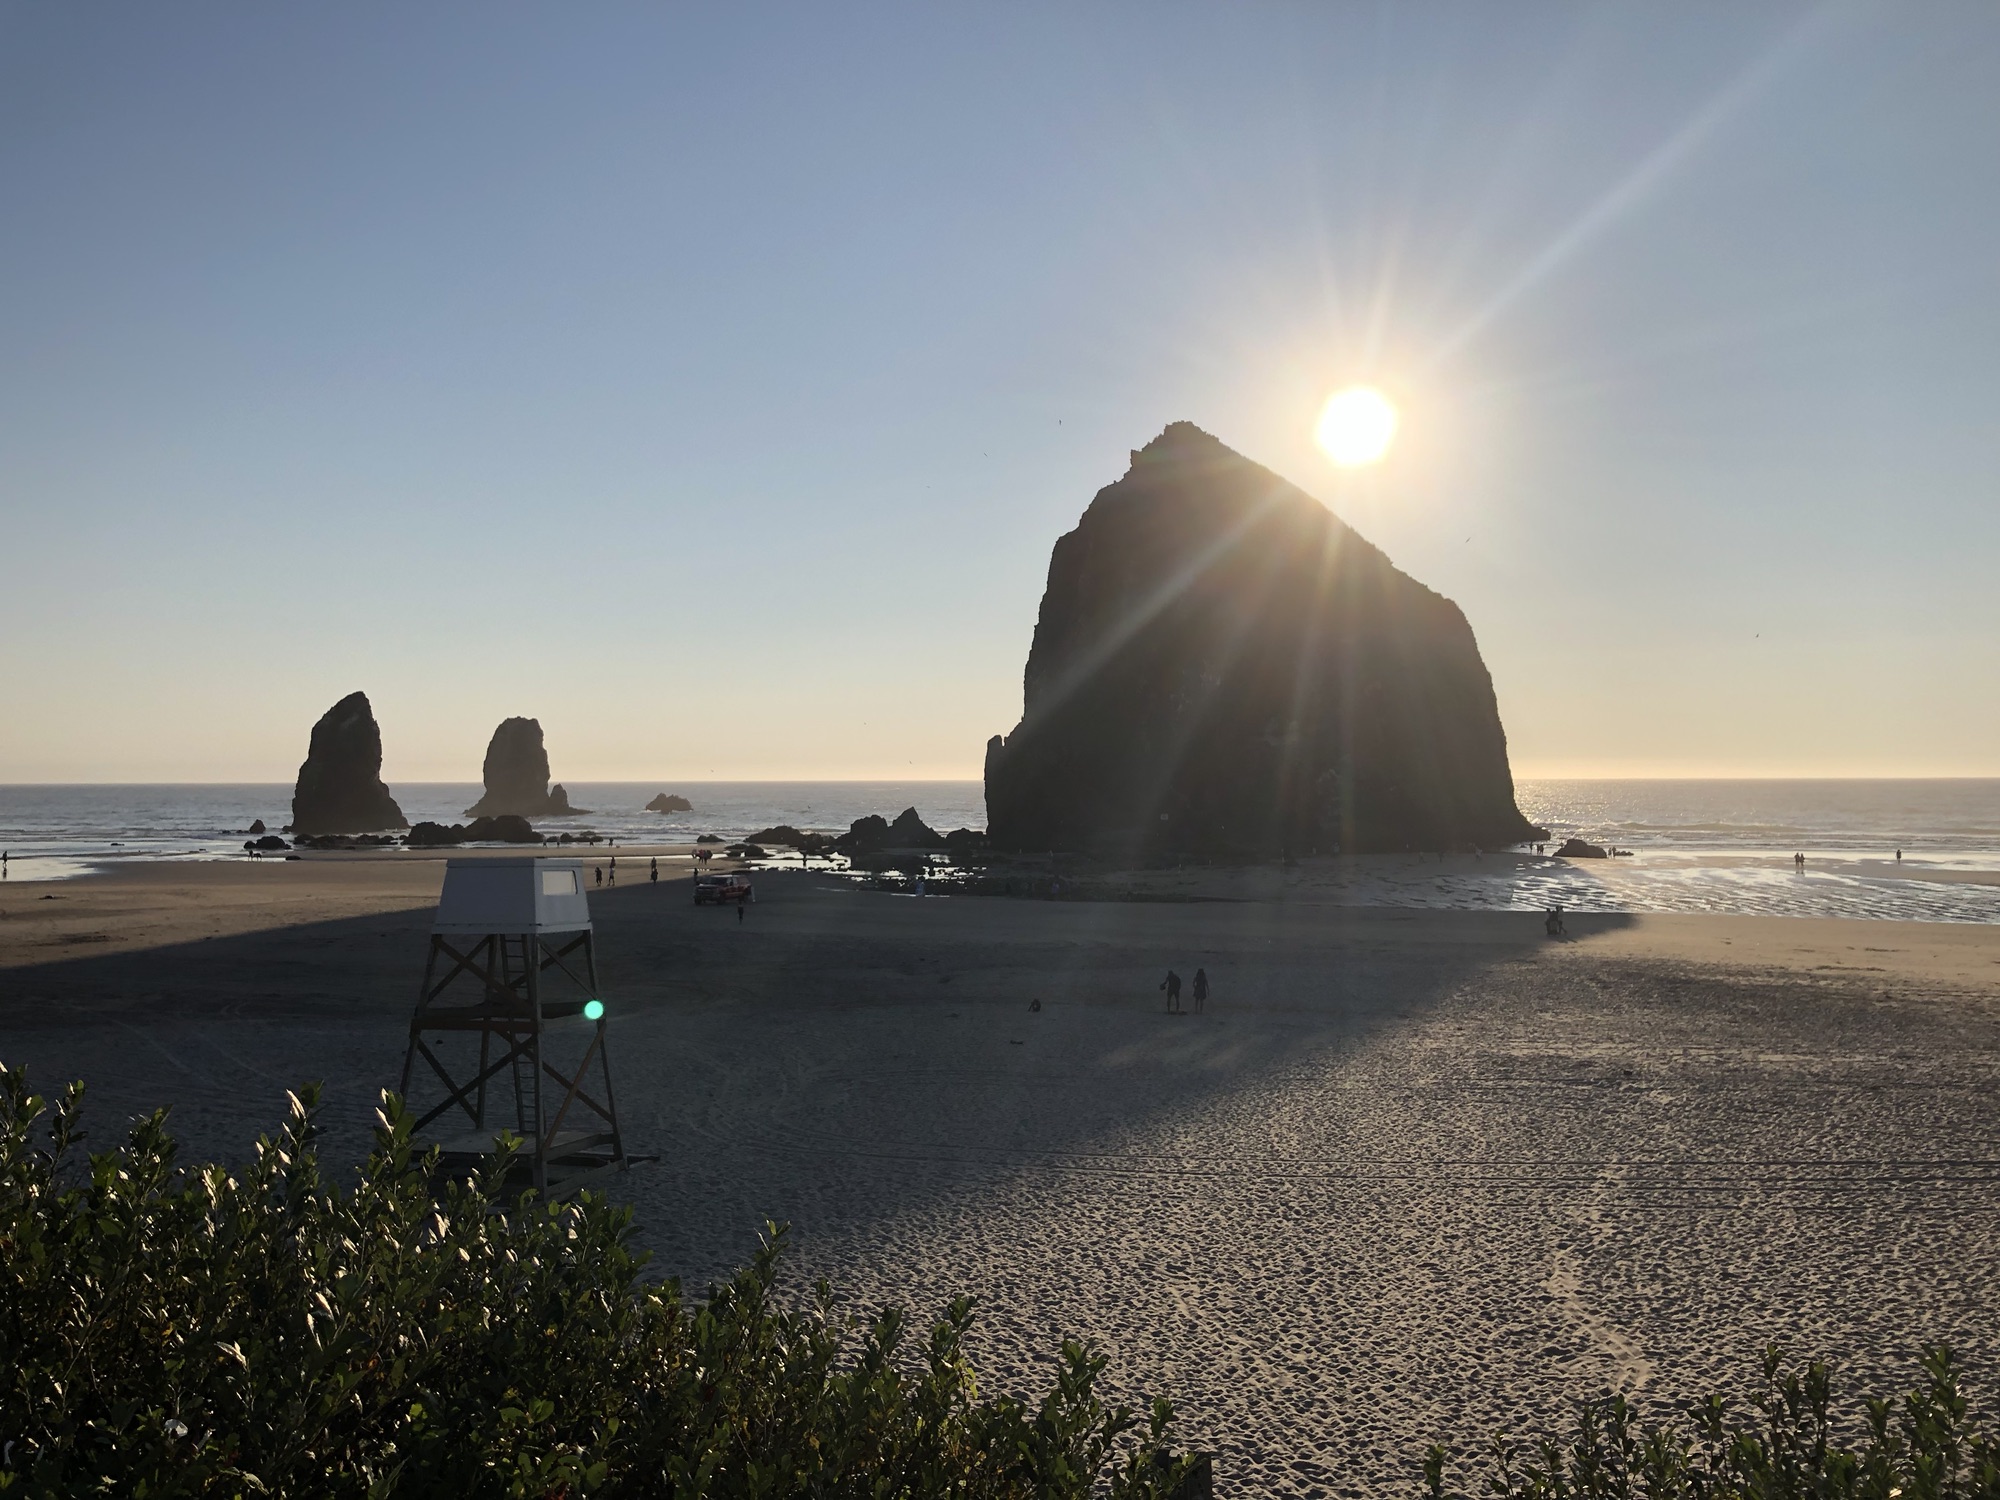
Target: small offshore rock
[{"x": 1578, "y": 849}]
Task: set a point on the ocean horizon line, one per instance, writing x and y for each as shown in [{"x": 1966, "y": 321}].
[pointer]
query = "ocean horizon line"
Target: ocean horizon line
[{"x": 1745, "y": 778}]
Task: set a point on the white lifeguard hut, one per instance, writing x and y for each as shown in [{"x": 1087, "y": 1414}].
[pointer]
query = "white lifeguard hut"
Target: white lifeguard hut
[{"x": 519, "y": 960}]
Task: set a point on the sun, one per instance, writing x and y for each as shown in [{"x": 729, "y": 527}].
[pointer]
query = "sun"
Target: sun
[{"x": 1356, "y": 426}]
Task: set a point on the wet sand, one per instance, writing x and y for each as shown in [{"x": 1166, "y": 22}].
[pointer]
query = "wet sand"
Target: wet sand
[{"x": 1415, "y": 1174}]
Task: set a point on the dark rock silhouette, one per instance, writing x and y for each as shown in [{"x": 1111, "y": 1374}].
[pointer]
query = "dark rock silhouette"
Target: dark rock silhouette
[
  {"x": 1578, "y": 849},
  {"x": 256, "y": 827},
  {"x": 435, "y": 835},
  {"x": 1222, "y": 666},
  {"x": 911, "y": 832},
  {"x": 667, "y": 802},
  {"x": 340, "y": 786},
  {"x": 345, "y": 841},
  {"x": 270, "y": 842},
  {"x": 506, "y": 828},
  {"x": 866, "y": 835},
  {"x": 784, "y": 834},
  {"x": 516, "y": 774}
]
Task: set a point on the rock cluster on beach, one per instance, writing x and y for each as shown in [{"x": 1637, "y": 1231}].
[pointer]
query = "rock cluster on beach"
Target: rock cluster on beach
[
  {"x": 516, "y": 774},
  {"x": 504, "y": 829},
  {"x": 874, "y": 832},
  {"x": 1222, "y": 666},
  {"x": 340, "y": 786}
]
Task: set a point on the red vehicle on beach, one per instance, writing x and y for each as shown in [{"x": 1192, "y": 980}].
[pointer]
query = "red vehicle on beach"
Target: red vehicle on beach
[{"x": 723, "y": 890}]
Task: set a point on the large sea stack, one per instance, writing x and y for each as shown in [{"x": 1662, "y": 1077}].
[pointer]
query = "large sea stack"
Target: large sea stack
[
  {"x": 516, "y": 774},
  {"x": 340, "y": 786},
  {"x": 1224, "y": 667}
]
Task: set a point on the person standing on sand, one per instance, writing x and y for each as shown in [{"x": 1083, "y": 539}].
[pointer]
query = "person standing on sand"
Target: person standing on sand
[
  {"x": 600, "y": 875},
  {"x": 1172, "y": 985},
  {"x": 653, "y": 874},
  {"x": 1200, "y": 989},
  {"x": 614, "y": 869}
]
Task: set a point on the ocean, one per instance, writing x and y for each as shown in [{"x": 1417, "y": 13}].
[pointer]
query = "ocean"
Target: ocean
[{"x": 1723, "y": 846}]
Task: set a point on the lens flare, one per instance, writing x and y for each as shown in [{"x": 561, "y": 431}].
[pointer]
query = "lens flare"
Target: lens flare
[
  {"x": 1357, "y": 426},
  {"x": 593, "y": 1010}
]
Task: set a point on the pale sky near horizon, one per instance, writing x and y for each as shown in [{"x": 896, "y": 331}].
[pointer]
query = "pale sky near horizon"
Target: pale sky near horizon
[{"x": 711, "y": 383}]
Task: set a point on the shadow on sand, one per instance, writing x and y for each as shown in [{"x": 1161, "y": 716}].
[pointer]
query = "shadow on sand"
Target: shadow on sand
[{"x": 838, "y": 1058}]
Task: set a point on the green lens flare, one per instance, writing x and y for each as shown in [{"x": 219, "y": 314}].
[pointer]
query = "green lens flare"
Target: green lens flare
[{"x": 593, "y": 1010}]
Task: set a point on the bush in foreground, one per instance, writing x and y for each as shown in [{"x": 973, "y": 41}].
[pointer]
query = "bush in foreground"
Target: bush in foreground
[
  {"x": 1788, "y": 1447},
  {"x": 191, "y": 1332}
]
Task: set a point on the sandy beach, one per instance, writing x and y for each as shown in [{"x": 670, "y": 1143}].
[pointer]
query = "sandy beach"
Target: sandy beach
[{"x": 1414, "y": 1175}]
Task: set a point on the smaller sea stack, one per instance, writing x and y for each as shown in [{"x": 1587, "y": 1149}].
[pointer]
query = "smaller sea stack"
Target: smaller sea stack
[
  {"x": 340, "y": 786},
  {"x": 516, "y": 774}
]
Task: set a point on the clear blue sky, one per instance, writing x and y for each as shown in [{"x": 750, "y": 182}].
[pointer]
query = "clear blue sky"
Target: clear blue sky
[{"x": 711, "y": 382}]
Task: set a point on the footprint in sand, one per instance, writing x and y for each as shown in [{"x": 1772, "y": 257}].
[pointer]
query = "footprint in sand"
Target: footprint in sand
[{"x": 1630, "y": 1368}]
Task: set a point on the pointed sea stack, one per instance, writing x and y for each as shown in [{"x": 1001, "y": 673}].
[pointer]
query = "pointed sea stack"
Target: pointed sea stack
[
  {"x": 1223, "y": 667},
  {"x": 340, "y": 786},
  {"x": 516, "y": 774}
]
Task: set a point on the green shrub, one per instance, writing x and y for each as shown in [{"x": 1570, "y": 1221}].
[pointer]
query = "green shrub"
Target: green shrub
[
  {"x": 190, "y": 1332},
  {"x": 1788, "y": 1448}
]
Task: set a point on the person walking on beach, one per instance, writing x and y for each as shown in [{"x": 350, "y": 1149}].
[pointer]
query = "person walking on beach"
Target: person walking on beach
[
  {"x": 614, "y": 869},
  {"x": 600, "y": 875},
  {"x": 653, "y": 874},
  {"x": 1172, "y": 985},
  {"x": 1200, "y": 989}
]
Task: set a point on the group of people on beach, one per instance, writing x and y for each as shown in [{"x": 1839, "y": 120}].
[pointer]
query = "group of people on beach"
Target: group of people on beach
[
  {"x": 652, "y": 872},
  {"x": 1172, "y": 985}
]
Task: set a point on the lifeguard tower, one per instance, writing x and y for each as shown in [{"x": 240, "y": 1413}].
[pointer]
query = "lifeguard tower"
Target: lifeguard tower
[{"x": 519, "y": 975}]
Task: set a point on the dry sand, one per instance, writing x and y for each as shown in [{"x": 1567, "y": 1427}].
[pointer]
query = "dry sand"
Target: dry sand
[{"x": 1414, "y": 1175}]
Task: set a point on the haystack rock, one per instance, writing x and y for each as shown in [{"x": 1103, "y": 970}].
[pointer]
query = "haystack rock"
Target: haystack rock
[
  {"x": 1222, "y": 666},
  {"x": 340, "y": 786},
  {"x": 516, "y": 774}
]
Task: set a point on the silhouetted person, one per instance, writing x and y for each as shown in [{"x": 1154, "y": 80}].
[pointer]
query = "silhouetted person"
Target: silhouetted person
[
  {"x": 654, "y": 873},
  {"x": 1200, "y": 989},
  {"x": 741, "y": 907},
  {"x": 614, "y": 869},
  {"x": 600, "y": 874},
  {"x": 1899, "y": 856},
  {"x": 1172, "y": 985},
  {"x": 1552, "y": 922}
]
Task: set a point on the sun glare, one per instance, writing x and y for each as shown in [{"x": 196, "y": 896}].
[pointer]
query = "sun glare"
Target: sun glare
[{"x": 1357, "y": 426}]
